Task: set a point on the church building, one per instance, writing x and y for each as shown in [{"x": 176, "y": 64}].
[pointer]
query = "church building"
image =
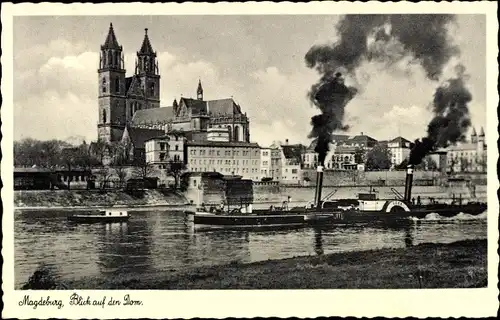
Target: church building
[
  {"x": 120, "y": 96},
  {"x": 129, "y": 107}
]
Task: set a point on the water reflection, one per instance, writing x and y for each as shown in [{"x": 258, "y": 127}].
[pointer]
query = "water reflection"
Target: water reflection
[
  {"x": 318, "y": 242},
  {"x": 124, "y": 247},
  {"x": 159, "y": 241}
]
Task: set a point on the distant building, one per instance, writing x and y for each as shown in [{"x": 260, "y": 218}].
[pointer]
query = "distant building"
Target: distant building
[
  {"x": 134, "y": 139},
  {"x": 162, "y": 150},
  {"x": 226, "y": 157},
  {"x": 287, "y": 162},
  {"x": 265, "y": 163},
  {"x": 341, "y": 153},
  {"x": 470, "y": 156},
  {"x": 342, "y": 158},
  {"x": 399, "y": 149}
]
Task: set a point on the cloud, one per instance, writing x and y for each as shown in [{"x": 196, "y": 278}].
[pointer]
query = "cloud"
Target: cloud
[
  {"x": 55, "y": 115},
  {"x": 55, "y": 94}
]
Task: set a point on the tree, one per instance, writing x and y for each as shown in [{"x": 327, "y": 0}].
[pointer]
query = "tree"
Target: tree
[
  {"x": 175, "y": 169},
  {"x": 427, "y": 164},
  {"x": 30, "y": 152},
  {"x": 359, "y": 155},
  {"x": 378, "y": 158},
  {"x": 464, "y": 164},
  {"x": 142, "y": 169},
  {"x": 481, "y": 162},
  {"x": 69, "y": 159},
  {"x": 103, "y": 176},
  {"x": 453, "y": 162}
]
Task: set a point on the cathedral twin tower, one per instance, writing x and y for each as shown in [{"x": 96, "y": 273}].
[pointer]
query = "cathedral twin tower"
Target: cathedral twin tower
[{"x": 120, "y": 96}]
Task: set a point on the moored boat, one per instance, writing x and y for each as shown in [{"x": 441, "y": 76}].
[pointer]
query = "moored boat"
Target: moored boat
[
  {"x": 103, "y": 216},
  {"x": 367, "y": 208}
]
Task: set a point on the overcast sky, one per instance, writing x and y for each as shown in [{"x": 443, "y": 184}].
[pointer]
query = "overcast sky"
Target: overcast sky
[{"x": 259, "y": 60}]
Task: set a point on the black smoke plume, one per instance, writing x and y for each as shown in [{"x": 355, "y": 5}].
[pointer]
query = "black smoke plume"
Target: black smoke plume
[
  {"x": 451, "y": 117},
  {"x": 422, "y": 38}
]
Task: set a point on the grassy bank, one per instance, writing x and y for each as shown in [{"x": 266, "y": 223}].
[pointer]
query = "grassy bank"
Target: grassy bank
[{"x": 456, "y": 265}]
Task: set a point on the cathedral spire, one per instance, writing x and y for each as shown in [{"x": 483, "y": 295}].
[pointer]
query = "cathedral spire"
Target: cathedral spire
[
  {"x": 199, "y": 91},
  {"x": 146, "y": 57},
  {"x": 481, "y": 133},
  {"x": 111, "y": 42},
  {"x": 146, "y": 48},
  {"x": 111, "y": 56}
]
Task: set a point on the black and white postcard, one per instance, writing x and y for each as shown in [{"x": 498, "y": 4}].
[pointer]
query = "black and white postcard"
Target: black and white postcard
[{"x": 249, "y": 160}]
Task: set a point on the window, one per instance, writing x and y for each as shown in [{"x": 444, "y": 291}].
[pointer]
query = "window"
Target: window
[
  {"x": 104, "y": 118},
  {"x": 176, "y": 147},
  {"x": 295, "y": 170},
  {"x": 152, "y": 89},
  {"x": 117, "y": 85},
  {"x": 103, "y": 85}
]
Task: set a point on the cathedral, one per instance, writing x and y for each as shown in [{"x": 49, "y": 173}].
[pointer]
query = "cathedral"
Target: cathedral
[{"x": 129, "y": 107}]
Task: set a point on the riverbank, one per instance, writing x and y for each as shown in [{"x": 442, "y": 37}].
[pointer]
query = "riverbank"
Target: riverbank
[
  {"x": 95, "y": 199},
  {"x": 460, "y": 264}
]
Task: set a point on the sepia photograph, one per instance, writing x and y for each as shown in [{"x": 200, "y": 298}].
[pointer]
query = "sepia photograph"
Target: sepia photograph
[{"x": 204, "y": 151}]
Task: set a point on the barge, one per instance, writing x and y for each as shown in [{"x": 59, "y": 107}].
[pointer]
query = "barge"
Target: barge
[{"x": 323, "y": 212}]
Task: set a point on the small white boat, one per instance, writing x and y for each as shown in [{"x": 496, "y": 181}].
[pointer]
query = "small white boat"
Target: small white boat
[{"x": 103, "y": 216}]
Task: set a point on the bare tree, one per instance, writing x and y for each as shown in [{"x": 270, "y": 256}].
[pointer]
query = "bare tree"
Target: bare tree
[
  {"x": 464, "y": 164},
  {"x": 104, "y": 176},
  {"x": 121, "y": 173},
  {"x": 175, "y": 169}
]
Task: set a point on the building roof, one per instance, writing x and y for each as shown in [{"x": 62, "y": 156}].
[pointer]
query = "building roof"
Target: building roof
[
  {"x": 401, "y": 142},
  {"x": 223, "y": 106},
  {"x": 216, "y": 107},
  {"x": 31, "y": 170},
  {"x": 138, "y": 136},
  {"x": 111, "y": 42},
  {"x": 464, "y": 147},
  {"x": 362, "y": 138},
  {"x": 152, "y": 116},
  {"x": 293, "y": 151},
  {"x": 345, "y": 149},
  {"x": 146, "y": 48},
  {"x": 196, "y": 106},
  {"x": 222, "y": 144},
  {"x": 339, "y": 137}
]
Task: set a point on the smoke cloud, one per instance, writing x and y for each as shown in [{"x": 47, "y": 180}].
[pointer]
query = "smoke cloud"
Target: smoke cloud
[
  {"x": 451, "y": 117},
  {"x": 372, "y": 38}
]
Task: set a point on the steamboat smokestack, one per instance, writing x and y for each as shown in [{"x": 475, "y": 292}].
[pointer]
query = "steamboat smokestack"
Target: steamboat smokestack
[
  {"x": 319, "y": 186},
  {"x": 409, "y": 181}
]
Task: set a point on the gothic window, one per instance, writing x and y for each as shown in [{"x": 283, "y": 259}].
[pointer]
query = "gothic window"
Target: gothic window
[
  {"x": 152, "y": 89},
  {"x": 103, "y": 85},
  {"x": 230, "y": 131},
  {"x": 117, "y": 85},
  {"x": 104, "y": 116},
  {"x": 236, "y": 133}
]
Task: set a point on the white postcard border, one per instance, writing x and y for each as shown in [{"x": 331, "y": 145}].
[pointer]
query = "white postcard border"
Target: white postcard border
[{"x": 256, "y": 303}]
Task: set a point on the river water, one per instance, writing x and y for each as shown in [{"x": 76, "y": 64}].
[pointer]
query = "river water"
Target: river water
[{"x": 157, "y": 240}]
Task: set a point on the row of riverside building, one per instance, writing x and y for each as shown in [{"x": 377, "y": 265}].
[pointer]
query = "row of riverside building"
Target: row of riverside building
[{"x": 214, "y": 135}]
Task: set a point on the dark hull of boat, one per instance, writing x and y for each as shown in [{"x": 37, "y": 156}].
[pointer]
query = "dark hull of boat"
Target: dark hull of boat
[
  {"x": 90, "y": 219},
  {"x": 301, "y": 217}
]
